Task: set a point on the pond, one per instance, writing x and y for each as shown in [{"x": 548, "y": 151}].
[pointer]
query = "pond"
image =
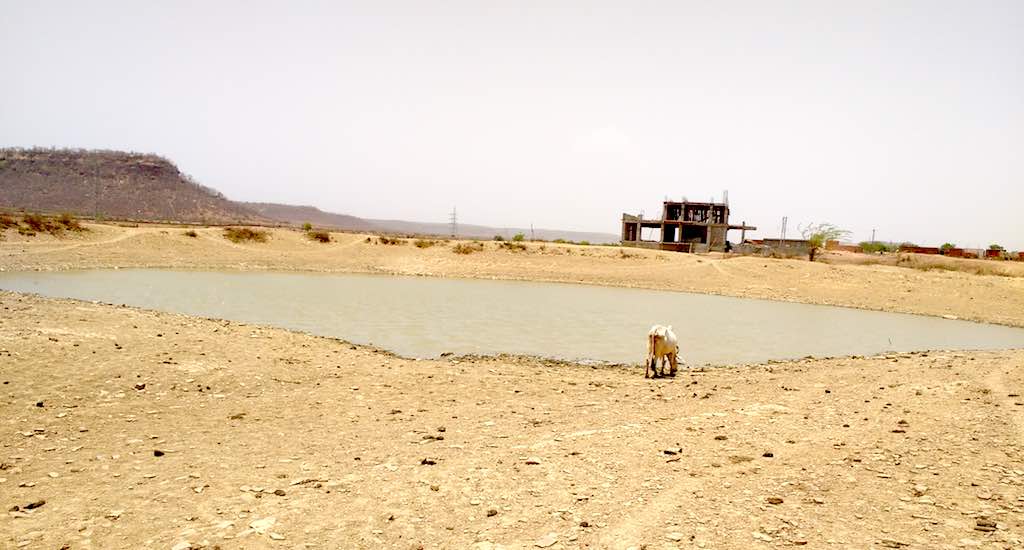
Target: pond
[{"x": 424, "y": 317}]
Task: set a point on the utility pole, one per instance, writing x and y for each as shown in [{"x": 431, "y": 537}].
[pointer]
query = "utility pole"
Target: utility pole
[
  {"x": 782, "y": 237},
  {"x": 454, "y": 219},
  {"x": 532, "y": 238},
  {"x": 872, "y": 235}
]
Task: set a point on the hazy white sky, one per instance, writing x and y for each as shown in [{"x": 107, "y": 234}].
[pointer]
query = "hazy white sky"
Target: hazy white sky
[{"x": 903, "y": 116}]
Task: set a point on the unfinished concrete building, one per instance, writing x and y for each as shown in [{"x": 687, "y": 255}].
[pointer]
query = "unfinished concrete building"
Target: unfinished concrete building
[{"x": 683, "y": 227}]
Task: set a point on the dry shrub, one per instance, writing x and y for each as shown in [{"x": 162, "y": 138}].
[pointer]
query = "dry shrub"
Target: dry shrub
[
  {"x": 424, "y": 243},
  {"x": 6, "y": 222},
  {"x": 35, "y": 222},
  {"x": 468, "y": 248},
  {"x": 390, "y": 240},
  {"x": 69, "y": 223},
  {"x": 512, "y": 246},
  {"x": 191, "y": 233},
  {"x": 319, "y": 236},
  {"x": 244, "y": 234}
]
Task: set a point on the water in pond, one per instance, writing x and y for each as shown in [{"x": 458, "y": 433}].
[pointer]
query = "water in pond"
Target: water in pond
[{"x": 423, "y": 317}]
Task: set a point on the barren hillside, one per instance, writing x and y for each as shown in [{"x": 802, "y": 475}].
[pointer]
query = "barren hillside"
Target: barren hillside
[{"x": 110, "y": 183}]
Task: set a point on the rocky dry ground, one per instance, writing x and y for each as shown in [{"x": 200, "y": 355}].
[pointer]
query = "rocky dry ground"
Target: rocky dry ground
[
  {"x": 993, "y": 299},
  {"x": 122, "y": 428}
]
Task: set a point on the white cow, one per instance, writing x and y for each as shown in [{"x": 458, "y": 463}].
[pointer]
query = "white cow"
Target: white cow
[{"x": 662, "y": 344}]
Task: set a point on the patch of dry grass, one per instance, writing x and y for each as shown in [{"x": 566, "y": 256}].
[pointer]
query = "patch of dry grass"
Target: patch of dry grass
[
  {"x": 245, "y": 234},
  {"x": 923, "y": 262},
  {"x": 37, "y": 223},
  {"x": 424, "y": 243},
  {"x": 468, "y": 248},
  {"x": 319, "y": 236},
  {"x": 997, "y": 268}
]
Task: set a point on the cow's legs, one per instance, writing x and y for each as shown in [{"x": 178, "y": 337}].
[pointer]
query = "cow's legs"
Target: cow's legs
[
  {"x": 647, "y": 366},
  {"x": 673, "y": 362}
]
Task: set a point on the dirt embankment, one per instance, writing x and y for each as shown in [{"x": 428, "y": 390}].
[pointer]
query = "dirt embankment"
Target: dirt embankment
[
  {"x": 131, "y": 429},
  {"x": 988, "y": 298}
]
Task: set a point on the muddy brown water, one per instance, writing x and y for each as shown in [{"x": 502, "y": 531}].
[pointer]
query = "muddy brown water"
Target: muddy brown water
[{"x": 424, "y": 317}]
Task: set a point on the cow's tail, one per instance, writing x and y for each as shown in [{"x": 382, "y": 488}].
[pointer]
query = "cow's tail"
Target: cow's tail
[{"x": 651, "y": 341}]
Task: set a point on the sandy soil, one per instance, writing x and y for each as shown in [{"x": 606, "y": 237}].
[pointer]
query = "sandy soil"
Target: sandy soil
[
  {"x": 271, "y": 438},
  {"x": 988, "y": 298},
  {"x": 125, "y": 428}
]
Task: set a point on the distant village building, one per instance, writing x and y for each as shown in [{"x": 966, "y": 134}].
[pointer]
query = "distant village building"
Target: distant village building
[{"x": 683, "y": 227}]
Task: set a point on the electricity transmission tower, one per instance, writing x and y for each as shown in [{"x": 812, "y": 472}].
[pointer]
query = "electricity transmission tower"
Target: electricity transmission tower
[{"x": 454, "y": 220}]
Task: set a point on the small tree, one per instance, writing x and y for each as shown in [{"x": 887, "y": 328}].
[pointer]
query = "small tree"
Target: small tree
[
  {"x": 499, "y": 238},
  {"x": 307, "y": 226},
  {"x": 519, "y": 237},
  {"x": 946, "y": 247},
  {"x": 995, "y": 247},
  {"x": 817, "y": 234}
]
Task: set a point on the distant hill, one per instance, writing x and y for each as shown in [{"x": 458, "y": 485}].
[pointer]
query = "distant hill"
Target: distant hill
[
  {"x": 110, "y": 183},
  {"x": 136, "y": 186},
  {"x": 298, "y": 215},
  {"x": 486, "y": 232}
]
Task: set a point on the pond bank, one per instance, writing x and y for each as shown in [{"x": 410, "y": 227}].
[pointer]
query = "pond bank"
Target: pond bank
[
  {"x": 985, "y": 298},
  {"x": 267, "y": 434},
  {"x": 425, "y": 317}
]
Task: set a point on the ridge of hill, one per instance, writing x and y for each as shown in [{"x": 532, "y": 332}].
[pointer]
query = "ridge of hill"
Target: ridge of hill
[
  {"x": 488, "y": 232},
  {"x": 113, "y": 184},
  {"x": 298, "y": 215}
]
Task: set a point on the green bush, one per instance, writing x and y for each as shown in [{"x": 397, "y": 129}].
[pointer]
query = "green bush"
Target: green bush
[
  {"x": 307, "y": 226},
  {"x": 499, "y": 238},
  {"x": 874, "y": 247},
  {"x": 519, "y": 237}
]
